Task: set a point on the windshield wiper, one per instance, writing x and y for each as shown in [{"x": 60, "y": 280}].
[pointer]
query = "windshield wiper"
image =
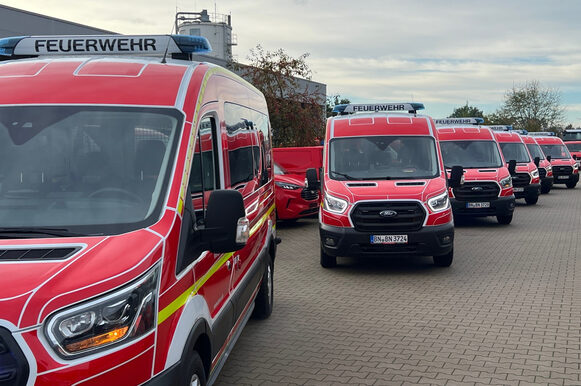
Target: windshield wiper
[
  {"x": 344, "y": 175},
  {"x": 32, "y": 231}
]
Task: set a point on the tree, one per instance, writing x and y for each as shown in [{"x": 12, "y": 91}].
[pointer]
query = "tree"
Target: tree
[
  {"x": 467, "y": 111},
  {"x": 296, "y": 113},
  {"x": 532, "y": 107},
  {"x": 334, "y": 100}
]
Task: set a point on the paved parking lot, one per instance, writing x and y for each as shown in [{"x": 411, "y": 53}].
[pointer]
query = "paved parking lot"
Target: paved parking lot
[{"x": 508, "y": 310}]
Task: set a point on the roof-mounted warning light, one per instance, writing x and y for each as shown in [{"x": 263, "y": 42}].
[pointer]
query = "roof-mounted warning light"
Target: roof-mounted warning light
[
  {"x": 459, "y": 121},
  {"x": 542, "y": 134},
  {"x": 344, "y": 109},
  {"x": 501, "y": 128},
  {"x": 177, "y": 46}
]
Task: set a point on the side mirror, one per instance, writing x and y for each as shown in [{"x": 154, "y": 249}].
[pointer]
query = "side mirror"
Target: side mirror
[
  {"x": 456, "y": 176},
  {"x": 537, "y": 161},
  {"x": 549, "y": 158},
  {"x": 312, "y": 180},
  {"x": 227, "y": 228},
  {"x": 512, "y": 167},
  {"x": 574, "y": 157}
]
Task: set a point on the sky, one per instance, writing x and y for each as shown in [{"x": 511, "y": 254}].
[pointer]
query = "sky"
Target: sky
[{"x": 440, "y": 53}]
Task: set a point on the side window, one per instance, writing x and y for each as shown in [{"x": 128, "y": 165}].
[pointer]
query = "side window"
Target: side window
[{"x": 205, "y": 173}]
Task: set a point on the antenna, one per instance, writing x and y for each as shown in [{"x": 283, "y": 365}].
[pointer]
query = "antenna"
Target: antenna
[{"x": 163, "y": 61}]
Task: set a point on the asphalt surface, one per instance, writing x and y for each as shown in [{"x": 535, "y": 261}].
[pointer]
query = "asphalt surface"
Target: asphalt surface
[{"x": 507, "y": 312}]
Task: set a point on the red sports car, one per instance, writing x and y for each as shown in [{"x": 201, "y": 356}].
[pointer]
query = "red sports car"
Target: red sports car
[{"x": 294, "y": 199}]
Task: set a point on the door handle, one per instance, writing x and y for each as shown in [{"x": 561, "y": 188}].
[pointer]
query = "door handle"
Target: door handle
[{"x": 228, "y": 265}]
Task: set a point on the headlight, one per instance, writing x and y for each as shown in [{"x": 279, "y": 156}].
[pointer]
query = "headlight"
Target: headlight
[
  {"x": 287, "y": 186},
  {"x": 439, "y": 203},
  {"x": 575, "y": 166},
  {"x": 334, "y": 204},
  {"x": 121, "y": 316},
  {"x": 549, "y": 168},
  {"x": 535, "y": 173},
  {"x": 506, "y": 183}
]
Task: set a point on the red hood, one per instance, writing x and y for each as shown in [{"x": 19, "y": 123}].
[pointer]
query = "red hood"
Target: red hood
[
  {"x": 386, "y": 189},
  {"x": 562, "y": 161},
  {"x": 525, "y": 167},
  {"x": 30, "y": 290},
  {"x": 296, "y": 179},
  {"x": 485, "y": 174}
]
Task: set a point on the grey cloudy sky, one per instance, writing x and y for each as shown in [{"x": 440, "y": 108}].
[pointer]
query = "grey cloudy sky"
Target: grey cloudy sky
[{"x": 441, "y": 53}]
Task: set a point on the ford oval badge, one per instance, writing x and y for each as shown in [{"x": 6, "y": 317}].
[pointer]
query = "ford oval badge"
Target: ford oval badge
[{"x": 388, "y": 213}]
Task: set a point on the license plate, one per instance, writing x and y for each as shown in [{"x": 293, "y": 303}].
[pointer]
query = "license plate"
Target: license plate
[
  {"x": 478, "y": 205},
  {"x": 562, "y": 177},
  {"x": 518, "y": 189},
  {"x": 389, "y": 239}
]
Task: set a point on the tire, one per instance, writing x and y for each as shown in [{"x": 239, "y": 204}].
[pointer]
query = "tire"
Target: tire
[
  {"x": 505, "y": 220},
  {"x": 264, "y": 301},
  {"x": 545, "y": 189},
  {"x": 444, "y": 260},
  {"x": 532, "y": 199},
  {"x": 195, "y": 374},
  {"x": 571, "y": 184},
  {"x": 328, "y": 261}
]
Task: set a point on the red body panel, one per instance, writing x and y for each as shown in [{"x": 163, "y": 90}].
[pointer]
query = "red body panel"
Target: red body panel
[{"x": 32, "y": 291}]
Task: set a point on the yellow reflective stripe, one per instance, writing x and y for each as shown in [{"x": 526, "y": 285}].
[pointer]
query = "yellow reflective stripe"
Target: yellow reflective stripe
[{"x": 181, "y": 300}]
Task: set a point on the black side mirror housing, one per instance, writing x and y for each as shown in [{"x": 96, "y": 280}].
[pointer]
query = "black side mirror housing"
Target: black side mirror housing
[
  {"x": 574, "y": 157},
  {"x": 225, "y": 220},
  {"x": 456, "y": 176},
  {"x": 312, "y": 180},
  {"x": 549, "y": 158},
  {"x": 537, "y": 161},
  {"x": 512, "y": 167}
]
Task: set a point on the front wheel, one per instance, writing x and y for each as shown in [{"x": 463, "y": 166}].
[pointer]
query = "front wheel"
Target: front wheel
[
  {"x": 264, "y": 301},
  {"x": 545, "y": 189},
  {"x": 195, "y": 374},
  {"x": 571, "y": 184},
  {"x": 505, "y": 220},
  {"x": 532, "y": 199},
  {"x": 327, "y": 261},
  {"x": 444, "y": 260}
]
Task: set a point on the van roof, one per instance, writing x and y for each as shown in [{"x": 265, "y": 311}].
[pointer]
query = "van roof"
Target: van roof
[
  {"x": 549, "y": 140},
  {"x": 369, "y": 124},
  {"x": 468, "y": 132},
  {"x": 507, "y": 136},
  {"x": 93, "y": 80}
]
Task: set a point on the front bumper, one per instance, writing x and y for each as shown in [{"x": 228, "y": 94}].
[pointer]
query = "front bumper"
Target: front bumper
[
  {"x": 529, "y": 190},
  {"x": 501, "y": 206},
  {"x": 428, "y": 241}
]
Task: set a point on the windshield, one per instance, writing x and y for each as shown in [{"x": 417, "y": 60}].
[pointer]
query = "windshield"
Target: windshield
[
  {"x": 535, "y": 151},
  {"x": 383, "y": 157},
  {"x": 87, "y": 169},
  {"x": 515, "y": 151},
  {"x": 574, "y": 136},
  {"x": 574, "y": 146},
  {"x": 556, "y": 151},
  {"x": 471, "y": 154},
  {"x": 278, "y": 170}
]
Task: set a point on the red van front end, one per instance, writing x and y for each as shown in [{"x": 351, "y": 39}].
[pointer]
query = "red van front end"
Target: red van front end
[
  {"x": 384, "y": 189},
  {"x": 565, "y": 168},
  {"x": 487, "y": 187},
  {"x": 544, "y": 165}
]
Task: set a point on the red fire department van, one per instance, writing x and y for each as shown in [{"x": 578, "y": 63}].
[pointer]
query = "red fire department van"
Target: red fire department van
[
  {"x": 543, "y": 164},
  {"x": 384, "y": 185},
  {"x": 525, "y": 180},
  {"x": 137, "y": 206},
  {"x": 565, "y": 168},
  {"x": 487, "y": 188},
  {"x": 574, "y": 148}
]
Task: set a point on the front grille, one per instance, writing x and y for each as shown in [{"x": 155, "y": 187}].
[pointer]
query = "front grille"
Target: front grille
[
  {"x": 13, "y": 365},
  {"x": 477, "y": 190},
  {"x": 562, "y": 170},
  {"x": 521, "y": 180},
  {"x": 309, "y": 195},
  {"x": 542, "y": 172},
  {"x": 36, "y": 254},
  {"x": 398, "y": 216}
]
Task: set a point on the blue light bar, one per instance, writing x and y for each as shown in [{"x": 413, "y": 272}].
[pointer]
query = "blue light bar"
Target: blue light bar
[
  {"x": 459, "y": 121},
  {"x": 377, "y": 107},
  {"x": 7, "y": 45},
  {"x": 543, "y": 133},
  {"x": 152, "y": 45}
]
